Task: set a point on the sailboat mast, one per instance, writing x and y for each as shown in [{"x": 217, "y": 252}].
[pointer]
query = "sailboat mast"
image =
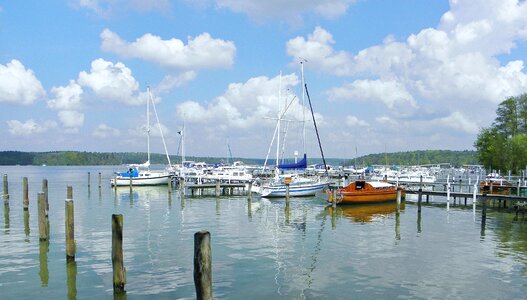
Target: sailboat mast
[
  {"x": 303, "y": 107},
  {"x": 279, "y": 120},
  {"x": 148, "y": 125}
]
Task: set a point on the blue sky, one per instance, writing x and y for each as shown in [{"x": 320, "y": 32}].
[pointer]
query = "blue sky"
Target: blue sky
[{"x": 383, "y": 76}]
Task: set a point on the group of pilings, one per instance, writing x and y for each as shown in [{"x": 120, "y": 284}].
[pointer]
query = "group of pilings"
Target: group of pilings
[{"x": 202, "y": 240}]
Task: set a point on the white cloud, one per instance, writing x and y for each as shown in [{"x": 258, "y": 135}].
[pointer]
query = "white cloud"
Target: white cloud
[
  {"x": 289, "y": 10},
  {"x": 104, "y": 131},
  {"x": 112, "y": 82},
  {"x": 170, "y": 81},
  {"x": 353, "y": 121},
  {"x": 28, "y": 127},
  {"x": 390, "y": 93},
  {"x": 201, "y": 52},
  {"x": 107, "y": 8},
  {"x": 66, "y": 98},
  {"x": 244, "y": 105},
  {"x": 460, "y": 66},
  {"x": 459, "y": 121},
  {"x": 71, "y": 119},
  {"x": 19, "y": 85}
]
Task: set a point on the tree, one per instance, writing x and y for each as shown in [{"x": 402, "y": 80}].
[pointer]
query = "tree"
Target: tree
[{"x": 503, "y": 145}]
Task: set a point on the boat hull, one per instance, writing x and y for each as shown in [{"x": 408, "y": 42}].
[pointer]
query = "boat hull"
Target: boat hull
[
  {"x": 138, "y": 181},
  {"x": 366, "y": 192},
  {"x": 294, "y": 191}
]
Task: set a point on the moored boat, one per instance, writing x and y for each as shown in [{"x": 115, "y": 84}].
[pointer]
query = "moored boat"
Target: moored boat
[{"x": 362, "y": 191}]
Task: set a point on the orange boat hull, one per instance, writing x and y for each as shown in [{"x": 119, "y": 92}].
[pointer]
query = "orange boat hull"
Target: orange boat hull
[{"x": 365, "y": 193}]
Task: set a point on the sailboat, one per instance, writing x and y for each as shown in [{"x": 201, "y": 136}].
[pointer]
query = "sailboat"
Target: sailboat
[
  {"x": 295, "y": 183},
  {"x": 140, "y": 174}
]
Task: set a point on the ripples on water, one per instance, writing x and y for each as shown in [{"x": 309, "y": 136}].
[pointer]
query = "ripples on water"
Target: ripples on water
[{"x": 261, "y": 249}]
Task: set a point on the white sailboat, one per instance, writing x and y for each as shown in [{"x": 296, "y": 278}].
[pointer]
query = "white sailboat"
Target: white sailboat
[
  {"x": 297, "y": 184},
  {"x": 140, "y": 174}
]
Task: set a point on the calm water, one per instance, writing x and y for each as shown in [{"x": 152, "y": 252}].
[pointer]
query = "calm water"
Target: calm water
[{"x": 261, "y": 250}]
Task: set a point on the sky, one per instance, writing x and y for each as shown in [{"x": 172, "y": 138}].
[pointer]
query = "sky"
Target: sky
[{"x": 382, "y": 76}]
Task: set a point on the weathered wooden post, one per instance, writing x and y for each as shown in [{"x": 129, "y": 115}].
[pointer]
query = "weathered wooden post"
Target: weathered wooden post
[
  {"x": 217, "y": 190},
  {"x": 420, "y": 196},
  {"x": 89, "y": 181},
  {"x": 70, "y": 225},
  {"x": 119, "y": 271},
  {"x": 25, "y": 194},
  {"x": 250, "y": 190},
  {"x": 333, "y": 196},
  {"x": 71, "y": 271},
  {"x": 100, "y": 180},
  {"x": 202, "y": 265},
  {"x": 45, "y": 191},
  {"x": 6, "y": 191},
  {"x": 287, "y": 181},
  {"x": 42, "y": 226},
  {"x": 484, "y": 207},
  {"x": 399, "y": 192},
  {"x": 448, "y": 196}
]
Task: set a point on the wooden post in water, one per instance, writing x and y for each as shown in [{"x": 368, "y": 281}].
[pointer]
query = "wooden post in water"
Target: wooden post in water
[
  {"x": 202, "y": 265},
  {"x": 6, "y": 191},
  {"x": 45, "y": 191},
  {"x": 420, "y": 196},
  {"x": 250, "y": 190},
  {"x": 89, "y": 181},
  {"x": 119, "y": 271},
  {"x": 217, "y": 190},
  {"x": 287, "y": 193},
  {"x": 100, "y": 180},
  {"x": 484, "y": 208},
  {"x": 333, "y": 195},
  {"x": 42, "y": 226},
  {"x": 25, "y": 194},
  {"x": 399, "y": 192},
  {"x": 474, "y": 198},
  {"x": 448, "y": 196},
  {"x": 70, "y": 226}
]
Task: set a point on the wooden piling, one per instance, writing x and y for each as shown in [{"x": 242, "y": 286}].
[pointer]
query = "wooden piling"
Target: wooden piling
[
  {"x": 484, "y": 207},
  {"x": 6, "y": 191},
  {"x": 89, "y": 180},
  {"x": 333, "y": 195},
  {"x": 42, "y": 226},
  {"x": 70, "y": 226},
  {"x": 100, "y": 180},
  {"x": 250, "y": 190},
  {"x": 217, "y": 188},
  {"x": 202, "y": 265},
  {"x": 420, "y": 196},
  {"x": 119, "y": 271},
  {"x": 287, "y": 192},
  {"x": 25, "y": 194},
  {"x": 399, "y": 193},
  {"x": 45, "y": 191}
]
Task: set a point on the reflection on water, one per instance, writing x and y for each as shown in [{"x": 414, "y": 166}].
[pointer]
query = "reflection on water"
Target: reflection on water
[
  {"x": 365, "y": 213},
  {"x": 44, "y": 272},
  {"x": 71, "y": 271},
  {"x": 289, "y": 249}
]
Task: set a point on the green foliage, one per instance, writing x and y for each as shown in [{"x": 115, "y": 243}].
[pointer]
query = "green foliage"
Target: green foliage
[
  {"x": 455, "y": 158},
  {"x": 503, "y": 145}
]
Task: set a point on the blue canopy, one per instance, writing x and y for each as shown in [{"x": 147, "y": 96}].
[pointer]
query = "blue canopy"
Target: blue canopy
[
  {"x": 130, "y": 173},
  {"x": 299, "y": 165}
]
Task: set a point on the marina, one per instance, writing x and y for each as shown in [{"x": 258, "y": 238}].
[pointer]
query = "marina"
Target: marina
[{"x": 296, "y": 249}]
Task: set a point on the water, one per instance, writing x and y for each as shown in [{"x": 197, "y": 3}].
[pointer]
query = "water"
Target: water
[{"x": 264, "y": 250}]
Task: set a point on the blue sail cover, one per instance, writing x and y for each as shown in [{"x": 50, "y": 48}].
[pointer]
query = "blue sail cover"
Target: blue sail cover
[{"x": 299, "y": 165}]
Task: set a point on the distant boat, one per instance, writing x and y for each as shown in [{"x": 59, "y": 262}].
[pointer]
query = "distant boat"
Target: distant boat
[
  {"x": 140, "y": 174},
  {"x": 494, "y": 183},
  {"x": 362, "y": 191}
]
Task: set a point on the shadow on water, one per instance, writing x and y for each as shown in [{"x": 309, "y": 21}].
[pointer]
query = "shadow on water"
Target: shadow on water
[
  {"x": 44, "y": 272},
  {"x": 6, "y": 218},
  {"x": 71, "y": 271}
]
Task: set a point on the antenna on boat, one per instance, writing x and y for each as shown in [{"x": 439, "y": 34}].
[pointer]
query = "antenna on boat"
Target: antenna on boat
[
  {"x": 316, "y": 130},
  {"x": 148, "y": 125},
  {"x": 302, "y": 61}
]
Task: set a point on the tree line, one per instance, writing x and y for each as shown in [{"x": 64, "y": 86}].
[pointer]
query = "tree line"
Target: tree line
[
  {"x": 78, "y": 158},
  {"x": 412, "y": 158}
]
